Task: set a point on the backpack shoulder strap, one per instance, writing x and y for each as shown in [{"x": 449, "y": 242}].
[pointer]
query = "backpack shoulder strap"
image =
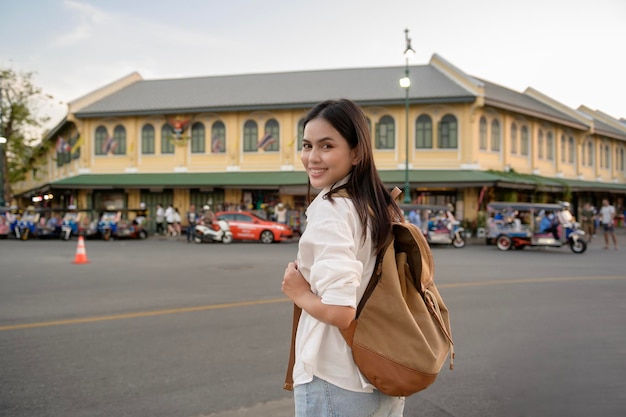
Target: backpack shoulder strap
[{"x": 297, "y": 312}]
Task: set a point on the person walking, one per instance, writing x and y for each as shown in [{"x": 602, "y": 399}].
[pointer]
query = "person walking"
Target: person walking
[
  {"x": 159, "y": 219},
  {"x": 588, "y": 219},
  {"x": 192, "y": 220},
  {"x": 607, "y": 218},
  {"x": 336, "y": 257},
  {"x": 177, "y": 222},
  {"x": 169, "y": 218}
]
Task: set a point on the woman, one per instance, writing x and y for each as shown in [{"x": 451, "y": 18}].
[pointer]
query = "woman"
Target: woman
[{"x": 336, "y": 257}]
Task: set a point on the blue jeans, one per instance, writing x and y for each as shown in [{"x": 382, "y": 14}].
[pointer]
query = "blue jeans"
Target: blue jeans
[
  {"x": 319, "y": 398},
  {"x": 191, "y": 231}
]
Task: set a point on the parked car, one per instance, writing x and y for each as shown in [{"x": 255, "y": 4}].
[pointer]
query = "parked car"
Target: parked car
[{"x": 247, "y": 226}]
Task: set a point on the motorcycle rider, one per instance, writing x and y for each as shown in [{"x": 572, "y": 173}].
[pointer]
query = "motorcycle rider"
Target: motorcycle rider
[{"x": 207, "y": 215}]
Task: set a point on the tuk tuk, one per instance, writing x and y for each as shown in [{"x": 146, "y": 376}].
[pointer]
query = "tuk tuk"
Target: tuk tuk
[
  {"x": 107, "y": 224},
  {"x": 26, "y": 225},
  {"x": 518, "y": 225},
  {"x": 6, "y": 218},
  {"x": 436, "y": 222},
  {"x": 71, "y": 222}
]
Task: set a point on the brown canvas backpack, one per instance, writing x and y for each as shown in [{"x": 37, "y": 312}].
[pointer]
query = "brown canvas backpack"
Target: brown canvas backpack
[{"x": 401, "y": 335}]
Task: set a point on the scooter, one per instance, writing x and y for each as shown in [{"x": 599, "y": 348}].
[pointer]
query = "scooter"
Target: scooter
[{"x": 217, "y": 231}]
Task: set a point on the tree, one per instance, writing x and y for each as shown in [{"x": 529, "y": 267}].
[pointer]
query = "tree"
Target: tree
[{"x": 20, "y": 121}]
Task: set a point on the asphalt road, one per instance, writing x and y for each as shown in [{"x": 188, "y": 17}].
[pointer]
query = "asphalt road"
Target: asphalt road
[{"x": 166, "y": 328}]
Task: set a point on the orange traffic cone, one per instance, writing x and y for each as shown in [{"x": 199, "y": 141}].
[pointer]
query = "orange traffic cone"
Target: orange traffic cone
[{"x": 81, "y": 254}]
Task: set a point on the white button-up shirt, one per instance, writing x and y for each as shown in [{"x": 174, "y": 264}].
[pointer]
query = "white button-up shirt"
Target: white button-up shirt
[{"x": 338, "y": 263}]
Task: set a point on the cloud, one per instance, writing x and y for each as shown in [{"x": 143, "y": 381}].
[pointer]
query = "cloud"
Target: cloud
[{"x": 88, "y": 17}]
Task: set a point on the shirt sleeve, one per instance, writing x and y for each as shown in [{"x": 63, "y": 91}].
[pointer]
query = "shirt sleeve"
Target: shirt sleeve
[{"x": 328, "y": 252}]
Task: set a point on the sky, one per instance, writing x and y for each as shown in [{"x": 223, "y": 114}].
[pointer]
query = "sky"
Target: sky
[{"x": 570, "y": 50}]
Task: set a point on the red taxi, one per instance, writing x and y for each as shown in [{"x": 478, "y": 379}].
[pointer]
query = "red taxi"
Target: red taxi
[{"x": 247, "y": 226}]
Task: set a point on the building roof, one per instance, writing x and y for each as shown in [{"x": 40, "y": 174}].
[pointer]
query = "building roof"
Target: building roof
[
  {"x": 367, "y": 86},
  {"x": 502, "y": 97}
]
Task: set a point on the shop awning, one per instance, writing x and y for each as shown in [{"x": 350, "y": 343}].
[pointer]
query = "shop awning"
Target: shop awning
[{"x": 291, "y": 182}]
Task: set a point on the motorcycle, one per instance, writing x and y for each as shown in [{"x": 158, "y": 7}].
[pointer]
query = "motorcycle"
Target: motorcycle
[{"x": 217, "y": 231}]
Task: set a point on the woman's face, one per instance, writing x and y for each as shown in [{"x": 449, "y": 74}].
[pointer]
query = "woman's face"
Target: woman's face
[{"x": 326, "y": 155}]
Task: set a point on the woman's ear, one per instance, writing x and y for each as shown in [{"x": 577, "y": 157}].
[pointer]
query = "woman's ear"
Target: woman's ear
[{"x": 356, "y": 157}]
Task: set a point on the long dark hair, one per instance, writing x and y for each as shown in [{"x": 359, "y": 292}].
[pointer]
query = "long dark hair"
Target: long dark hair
[{"x": 372, "y": 200}]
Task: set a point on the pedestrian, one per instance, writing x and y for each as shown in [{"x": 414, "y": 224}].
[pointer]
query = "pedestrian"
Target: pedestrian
[
  {"x": 177, "y": 222},
  {"x": 588, "y": 219},
  {"x": 607, "y": 217},
  {"x": 159, "y": 219},
  {"x": 192, "y": 220},
  {"x": 169, "y": 218},
  {"x": 336, "y": 257},
  {"x": 281, "y": 213},
  {"x": 414, "y": 218}
]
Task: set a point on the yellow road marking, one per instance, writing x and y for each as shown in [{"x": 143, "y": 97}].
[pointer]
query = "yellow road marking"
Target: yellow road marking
[
  {"x": 141, "y": 314},
  {"x": 528, "y": 281},
  {"x": 280, "y": 300}
]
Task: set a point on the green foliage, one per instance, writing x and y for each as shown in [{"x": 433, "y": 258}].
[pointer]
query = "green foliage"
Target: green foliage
[{"x": 20, "y": 120}]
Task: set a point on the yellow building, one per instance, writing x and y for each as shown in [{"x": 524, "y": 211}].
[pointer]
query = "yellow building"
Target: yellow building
[{"x": 234, "y": 141}]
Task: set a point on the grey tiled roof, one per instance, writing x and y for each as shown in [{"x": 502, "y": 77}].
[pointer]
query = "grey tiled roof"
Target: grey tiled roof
[
  {"x": 605, "y": 128},
  {"x": 499, "y": 96},
  {"x": 368, "y": 86}
]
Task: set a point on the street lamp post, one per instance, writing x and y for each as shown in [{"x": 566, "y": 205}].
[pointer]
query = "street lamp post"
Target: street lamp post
[
  {"x": 406, "y": 84},
  {"x": 3, "y": 156},
  {"x": 3, "y": 170}
]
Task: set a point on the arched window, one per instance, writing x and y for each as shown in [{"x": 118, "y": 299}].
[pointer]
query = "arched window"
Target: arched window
[
  {"x": 100, "y": 140},
  {"x": 147, "y": 140},
  {"x": 495, "y": 135},
  {"x": 118, "y": 147},
  {"x": 563, "y": 149},
  {"x": 583, "y": 154},
  {"x": 300, "y": 133},
  {"x": 482, "y": 134},
  {"x": 198, "y": 138},
  {"x": 607, "y": 156},
  {"x": 525, "y": 141},
  {"x": 540, "y": 144},
  {"x": 385, "y": 133},
  {"x": 167, "y": 139},
  {"x": 250, "y": 136},
  {"x": 571, "y": 150},
  {"x": 424, "y": 132},
  {"x": 271, "y": 139},
  {"x": 218, "y": 137},
  {"x": 447, "y": 137},
  {"x": 549, "y": 147},
  {"x": 590, "y": 154},
  {"x": 513, "y": 139}
]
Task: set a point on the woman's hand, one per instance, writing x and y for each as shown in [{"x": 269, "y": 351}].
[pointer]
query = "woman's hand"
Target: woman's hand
[
  {"x": 294, "y": 285},
  {"x": 299, "y": 291}
]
